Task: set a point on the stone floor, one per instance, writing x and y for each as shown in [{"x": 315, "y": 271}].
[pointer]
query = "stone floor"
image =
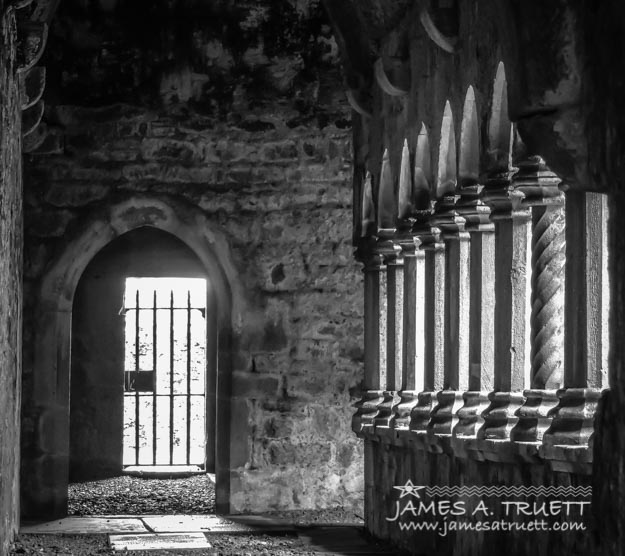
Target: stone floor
[{"x": 201, "y": 534}]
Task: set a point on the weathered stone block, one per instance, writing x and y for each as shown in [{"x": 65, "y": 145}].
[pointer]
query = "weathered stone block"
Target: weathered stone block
[
  {"x": 170, "y": 149},
  {"x": 310, "y": 349},
  {"x": 285, "y": 150},
  {"x": 240, "y": 423},
  {"x": 254, "y": 385},
  {"x": 63, "y": 195},
  {"x": 48, "y": 224},
  {"x": 278, "y": 427},
  {"x": 283, "y": 453}
]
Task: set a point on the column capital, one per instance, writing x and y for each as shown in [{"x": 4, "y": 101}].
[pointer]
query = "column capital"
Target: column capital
[
  {"x": 387, "y": 249},
  {"x": 376, "y": 253},
  {"x": 538, "y": 184},
  {"x": 372, "y": 262},
  {"x": 429, "y": 236},
  {"x": 447, "y": 218},
  {"x": 408, "y": 242},
  {"x": 474, "y": 210},
  {"x": 502, "y": 197}
]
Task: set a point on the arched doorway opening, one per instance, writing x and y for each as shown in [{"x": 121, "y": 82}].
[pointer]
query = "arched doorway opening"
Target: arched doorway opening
[
  {"x": 143, "y": 364},
  {"x": 46, "y": 465}
]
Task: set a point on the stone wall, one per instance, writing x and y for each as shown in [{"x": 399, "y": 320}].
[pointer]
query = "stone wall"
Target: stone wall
[
  {"x": 10, "y": 280},
  {"x": 232, "y": 116},
  {"x": 282, "y": 198}
]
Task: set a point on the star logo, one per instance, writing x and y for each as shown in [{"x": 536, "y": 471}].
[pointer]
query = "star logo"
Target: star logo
[{"x": 409, "y": 489}]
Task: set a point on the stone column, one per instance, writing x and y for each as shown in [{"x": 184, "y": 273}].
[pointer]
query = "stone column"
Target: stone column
[
  {"x": 482, "y": 311},
  {"x": 456, "y": 315},
  {"x": 375, "y": 302},
  {"x": 512, "y": 238},
  {"x": 541, "y": 193},
  {"x": 374, "y": 382},
  {"x": 412, "y": 192},
  {"x": 431, "y": 244},
  {"x": 393, "y": 336},
  {"x": 586, "y": 320},
  {"x": 413, "y": 368}
]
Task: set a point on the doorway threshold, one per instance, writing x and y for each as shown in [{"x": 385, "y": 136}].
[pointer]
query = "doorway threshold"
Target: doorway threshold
[{"x": 163, "y": 471}]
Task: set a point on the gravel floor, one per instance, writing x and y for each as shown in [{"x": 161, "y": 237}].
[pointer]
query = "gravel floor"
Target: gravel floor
[
  {"x": 128, "y": 495},
  {"x": 221, "y": 545},
  {"x": 90, "y": 545}
]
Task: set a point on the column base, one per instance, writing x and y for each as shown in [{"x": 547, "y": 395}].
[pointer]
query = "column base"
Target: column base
[
  {"x": 383, "y": 421},
  {"x": 470, "y": 418},
  {"x": 366, "y": 411},
  {"x": 443, "y": 417},
  {"x": 420, "y": 414},
  {"x": 535, "y": 415},
  {"x": 573, "y": 418},
  {"x": 500, "y": 416},
  {"x": 408, "y": 400}
]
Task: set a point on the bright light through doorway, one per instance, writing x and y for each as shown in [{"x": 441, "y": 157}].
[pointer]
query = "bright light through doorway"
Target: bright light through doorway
[{"x": 165, "y": 368}]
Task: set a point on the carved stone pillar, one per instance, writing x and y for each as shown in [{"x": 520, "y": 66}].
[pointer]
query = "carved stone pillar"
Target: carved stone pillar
[
  {"x": 456, "y": 307},
  {"x": 414, "y": 333},
  {"x": 434, "y": 316},
  {"x": 395, "y": 321},
  {"x": 367, "y": 407},
  {"x": 482, "y": 311},
  {"x": 512, "y": 237},
  {"x": 586, "y": 326},
  {"x": 541, "y": 193},
  {"x": 393, "y": 265}
]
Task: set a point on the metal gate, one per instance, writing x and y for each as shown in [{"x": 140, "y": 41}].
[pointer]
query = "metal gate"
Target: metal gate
[{"x": 165, "y": 368}]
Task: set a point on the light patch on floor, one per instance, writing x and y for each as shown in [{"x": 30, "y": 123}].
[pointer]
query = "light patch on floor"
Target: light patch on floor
[
  {"x": 158, "y": 541},
  {"x": 86, "y": 525},
  {"x": 178, "y": 523},
  {"x": 167, "y": 470}
]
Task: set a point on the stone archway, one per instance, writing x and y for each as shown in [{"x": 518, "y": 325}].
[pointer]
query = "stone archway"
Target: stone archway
[{"x": 47, "y": 470}]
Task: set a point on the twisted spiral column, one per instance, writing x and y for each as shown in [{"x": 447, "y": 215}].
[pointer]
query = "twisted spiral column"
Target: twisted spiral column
[
  {"x": 540, "y": 189},
  {"x": 547, "y": 316}
]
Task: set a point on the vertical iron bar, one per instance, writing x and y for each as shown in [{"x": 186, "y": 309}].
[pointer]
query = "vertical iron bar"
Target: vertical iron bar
[
  {"x": 188, "y": 377},
  {"x": 154, "y": 381},
  {"x": 171, "y": 379},
  {"x": 137, "y": 350}
]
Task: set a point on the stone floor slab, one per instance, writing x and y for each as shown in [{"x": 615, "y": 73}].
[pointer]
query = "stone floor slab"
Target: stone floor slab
[
  {"x": 86, "y": 525},
  {"x": 259, "y": 521},
  {"x": 181, "y": 523},
  {"x": 158, "y": 541}
]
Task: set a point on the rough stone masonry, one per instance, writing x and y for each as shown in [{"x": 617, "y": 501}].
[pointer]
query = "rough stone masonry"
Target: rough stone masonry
[
  {"x": 213, "y": 109},
  {"x": 10, "y": 280}
]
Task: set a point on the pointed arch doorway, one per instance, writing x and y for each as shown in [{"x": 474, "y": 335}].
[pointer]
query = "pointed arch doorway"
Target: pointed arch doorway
[
  {"x": 143, "y": 363},
  {"x": 46, "y": 458}
]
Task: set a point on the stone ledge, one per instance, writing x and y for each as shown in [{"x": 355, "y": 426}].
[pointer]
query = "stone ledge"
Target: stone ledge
[
  {"x": 567, "y": 459},
  {"x": 412, "y": 420}
]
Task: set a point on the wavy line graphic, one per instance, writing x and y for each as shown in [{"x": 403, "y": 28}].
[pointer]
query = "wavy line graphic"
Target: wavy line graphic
[{"x": 509, "y": 491}]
